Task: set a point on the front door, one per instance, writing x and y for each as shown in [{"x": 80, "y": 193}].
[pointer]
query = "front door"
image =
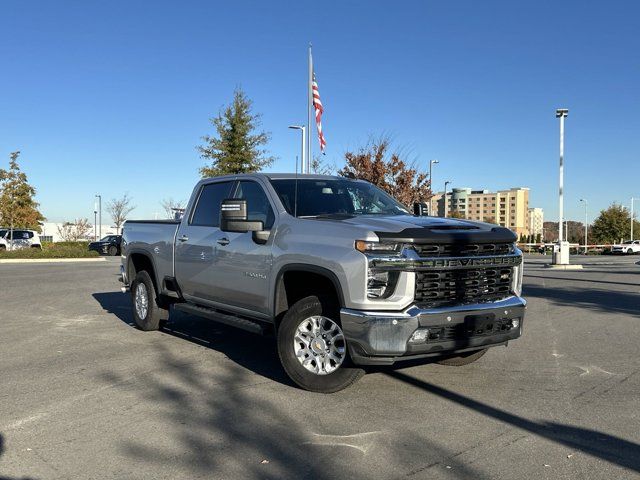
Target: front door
[{"x": 243, "y": 265}]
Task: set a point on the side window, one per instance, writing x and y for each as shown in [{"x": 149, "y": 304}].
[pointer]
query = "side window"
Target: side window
[
  {"x": 207, "y": 211},
  {"x": 258, "y": 206}
]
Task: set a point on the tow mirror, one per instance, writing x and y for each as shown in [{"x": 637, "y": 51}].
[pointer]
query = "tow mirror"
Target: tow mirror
[
  {"x": 420, "y": 209},
  {"x": 233, "y": 218}
]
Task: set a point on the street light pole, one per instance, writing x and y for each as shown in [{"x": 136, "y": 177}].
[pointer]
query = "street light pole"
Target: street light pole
[
  {"x": 563, "y": 257},
  {"x": 445, "y": 197},
  {"x": 586, "y": 223},
  {"x": 632, "y": 199},
  {"x": 99, "y": 197},
  {"x": 302, "y": 129},
  {"x": 431, "y": 162},
  {"x": 95, "y": 221}
]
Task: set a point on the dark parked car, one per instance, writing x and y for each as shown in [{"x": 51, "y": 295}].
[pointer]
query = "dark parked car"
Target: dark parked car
[{"x": 109, "y": 245}]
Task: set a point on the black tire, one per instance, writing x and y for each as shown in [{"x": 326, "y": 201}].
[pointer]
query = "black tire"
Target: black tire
[
  {"x": 630, "y": 251},
  {"x": 112, "y": 251},
  {"x": 462, "y": 359},
  {"x": 341, "y": 378},
  {"x": 154, "y": 313}
]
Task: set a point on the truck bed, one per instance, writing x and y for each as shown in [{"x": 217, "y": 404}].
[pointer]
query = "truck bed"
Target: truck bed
[{"x": 156, "y": 238}]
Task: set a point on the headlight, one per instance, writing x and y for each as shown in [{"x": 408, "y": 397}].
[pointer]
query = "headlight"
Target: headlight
[
  {"x": 378, "y": 247},
  {"x": 518, "y": 273},
  {"x": 381, "y": 284}
]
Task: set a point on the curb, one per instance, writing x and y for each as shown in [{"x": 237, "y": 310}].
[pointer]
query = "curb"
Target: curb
[{"x": 52, "y": 260}]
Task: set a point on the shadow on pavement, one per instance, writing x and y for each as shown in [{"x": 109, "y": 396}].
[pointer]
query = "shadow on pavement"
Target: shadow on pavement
[
  {"x": 251, "y": 351},
  {"x": 586, "y": 280},
  {"x": 607, "y": 301},
  {"x": 601, "y": 445},
  {"x": 2, "y": 477}
]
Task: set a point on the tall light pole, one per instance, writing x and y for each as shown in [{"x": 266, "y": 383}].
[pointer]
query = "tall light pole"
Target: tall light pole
[
  {"x": 99, "y": 197},
  {"x": 563, "y": 254},
  {"x": 95, "y": 220},
  {"x": 302, "y": 129},
  {"x": 445, "y": 197},
  {"x": 632, "y": 199},
  {"x": 586, "y": 223},
  {"x": 431, "y": 162}
]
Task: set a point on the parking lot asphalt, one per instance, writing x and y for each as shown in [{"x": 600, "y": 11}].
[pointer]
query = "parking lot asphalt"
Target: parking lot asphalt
[{"x": 83, "y": 394}]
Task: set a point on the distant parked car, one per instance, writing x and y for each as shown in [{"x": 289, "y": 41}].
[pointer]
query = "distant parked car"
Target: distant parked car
[
  {"x": 629, "y": 247},
  {"x": 109, "y": 245},
  {"x": 21, "y": 238}
]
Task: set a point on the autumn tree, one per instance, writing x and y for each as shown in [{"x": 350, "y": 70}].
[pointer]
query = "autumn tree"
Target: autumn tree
[
  {"x": 119, "y": 209},
  {"x": 236, "y": 147},
  {"x": 612, "y": 225},
  {"x": 456, "y": 214},
  {"x": 320, "y": 167},
  {"x": 376, "y": 164},
  {"x": 18, "y": 208},
  {"x": 172, "y": 206},
  {"x": 79, "y": 229}
]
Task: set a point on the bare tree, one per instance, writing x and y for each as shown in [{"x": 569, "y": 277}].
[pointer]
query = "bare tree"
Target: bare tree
[
  {"x": 80, "y": 229},
  {"x": 172, "y": 206},
  {"x": 119, "y": 209},
  {"x": 321, "y": 168}
]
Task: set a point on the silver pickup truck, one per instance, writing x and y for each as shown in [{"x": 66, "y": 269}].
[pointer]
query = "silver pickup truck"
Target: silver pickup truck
[{"x": 337, "y": 270}]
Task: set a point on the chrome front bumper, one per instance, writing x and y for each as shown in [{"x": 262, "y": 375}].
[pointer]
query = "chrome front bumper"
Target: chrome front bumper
[{"x": 382, "y": 338}]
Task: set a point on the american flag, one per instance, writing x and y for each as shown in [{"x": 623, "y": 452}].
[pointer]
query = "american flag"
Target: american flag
[{"x": 317, "y": 105}]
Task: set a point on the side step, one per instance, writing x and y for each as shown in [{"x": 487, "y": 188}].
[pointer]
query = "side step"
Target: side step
[{"x": 222, "y": 317}]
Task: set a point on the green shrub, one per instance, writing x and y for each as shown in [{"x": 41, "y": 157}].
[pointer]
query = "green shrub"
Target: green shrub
[{"x": 53, "y": 250}]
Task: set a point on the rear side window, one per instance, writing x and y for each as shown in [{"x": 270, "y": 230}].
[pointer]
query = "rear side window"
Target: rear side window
[
  {"x": 207, "y": 211},
  {"x": 258, "y": 206}
]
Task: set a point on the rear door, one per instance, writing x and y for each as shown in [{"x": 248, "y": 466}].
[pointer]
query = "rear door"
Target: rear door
[{"x": 197, "y": 242}]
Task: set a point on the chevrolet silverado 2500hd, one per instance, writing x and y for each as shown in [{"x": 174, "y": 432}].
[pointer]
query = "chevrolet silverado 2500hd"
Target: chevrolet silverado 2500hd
[{"x": 341, "y": 273}]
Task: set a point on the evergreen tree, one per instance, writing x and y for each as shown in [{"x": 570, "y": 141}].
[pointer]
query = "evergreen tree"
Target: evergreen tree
[
  {"x": 18, "y": 208},
  {"x": 235, "y": 148}
]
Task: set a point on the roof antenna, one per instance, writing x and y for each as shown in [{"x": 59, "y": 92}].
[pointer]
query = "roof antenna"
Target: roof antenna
[{"x": 295, "y": 195}]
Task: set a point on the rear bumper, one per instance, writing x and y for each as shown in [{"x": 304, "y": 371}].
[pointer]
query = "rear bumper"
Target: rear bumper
[{"x": 382, "y": 338}]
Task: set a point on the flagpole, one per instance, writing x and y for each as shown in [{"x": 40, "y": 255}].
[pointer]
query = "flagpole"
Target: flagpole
[{"x": 309, "y": 106}]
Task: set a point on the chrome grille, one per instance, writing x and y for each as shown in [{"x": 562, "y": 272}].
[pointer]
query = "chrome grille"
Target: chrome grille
[
  {"x": 463, "y": 250},
  {"x": 439, "y": 288}
]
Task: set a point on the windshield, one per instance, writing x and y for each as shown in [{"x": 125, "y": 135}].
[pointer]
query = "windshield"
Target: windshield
[
  {"x": 336, "y": 197},
  {"x": 108, "y": 238}
]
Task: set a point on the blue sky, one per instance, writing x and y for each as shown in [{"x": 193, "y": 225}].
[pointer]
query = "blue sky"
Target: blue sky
[{"x": 113, "y": 97}]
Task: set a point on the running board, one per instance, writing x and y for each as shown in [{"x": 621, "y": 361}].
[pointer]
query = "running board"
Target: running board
[{"x": 226, "y": 318}]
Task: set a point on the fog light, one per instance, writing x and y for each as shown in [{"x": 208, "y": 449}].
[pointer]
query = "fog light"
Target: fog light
[
  {"x": 419, "y": 336},
  {"x": 515, "y": 323}
]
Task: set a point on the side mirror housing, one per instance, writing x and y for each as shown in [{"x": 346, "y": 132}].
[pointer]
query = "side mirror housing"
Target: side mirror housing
[
  {"x": 233, "y": 217},
  {"x": 420, "y": 209}
]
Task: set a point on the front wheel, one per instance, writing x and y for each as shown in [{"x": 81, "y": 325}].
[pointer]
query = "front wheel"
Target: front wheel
[
  {"x": 312, "y": 347},
  {"x": 112, "y": 251},
  {"x": 630, "y": 251}
]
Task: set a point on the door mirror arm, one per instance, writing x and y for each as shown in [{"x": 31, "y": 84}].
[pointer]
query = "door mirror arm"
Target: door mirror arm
[{"x": 261, "y": 237}]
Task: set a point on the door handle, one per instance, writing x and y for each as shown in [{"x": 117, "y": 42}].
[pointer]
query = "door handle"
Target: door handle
[
  {"x": 183, "y": 238},
  {"x": 223, "y": 241}
]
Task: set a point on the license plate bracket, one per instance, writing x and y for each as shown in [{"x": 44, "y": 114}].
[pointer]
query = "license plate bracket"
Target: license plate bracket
[{"x": 480, "y": 324}]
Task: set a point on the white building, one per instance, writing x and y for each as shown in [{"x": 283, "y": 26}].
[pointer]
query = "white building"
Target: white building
[
  {"x": 536, "y": 221},
  {"x": 50, "y": 232}
]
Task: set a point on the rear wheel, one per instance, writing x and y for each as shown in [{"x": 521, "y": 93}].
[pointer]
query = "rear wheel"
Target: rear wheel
[
  {"x": 462, "y": 359},
  {"x": 147, "y": 314},
  {"x": 312, "y": 347}
]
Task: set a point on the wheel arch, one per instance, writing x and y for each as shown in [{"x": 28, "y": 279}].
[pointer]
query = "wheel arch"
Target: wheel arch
[{"x": 289, "y": 286}]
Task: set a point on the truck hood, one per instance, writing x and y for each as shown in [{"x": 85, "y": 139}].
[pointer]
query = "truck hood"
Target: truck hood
[{"x": 409, "y": 228}]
